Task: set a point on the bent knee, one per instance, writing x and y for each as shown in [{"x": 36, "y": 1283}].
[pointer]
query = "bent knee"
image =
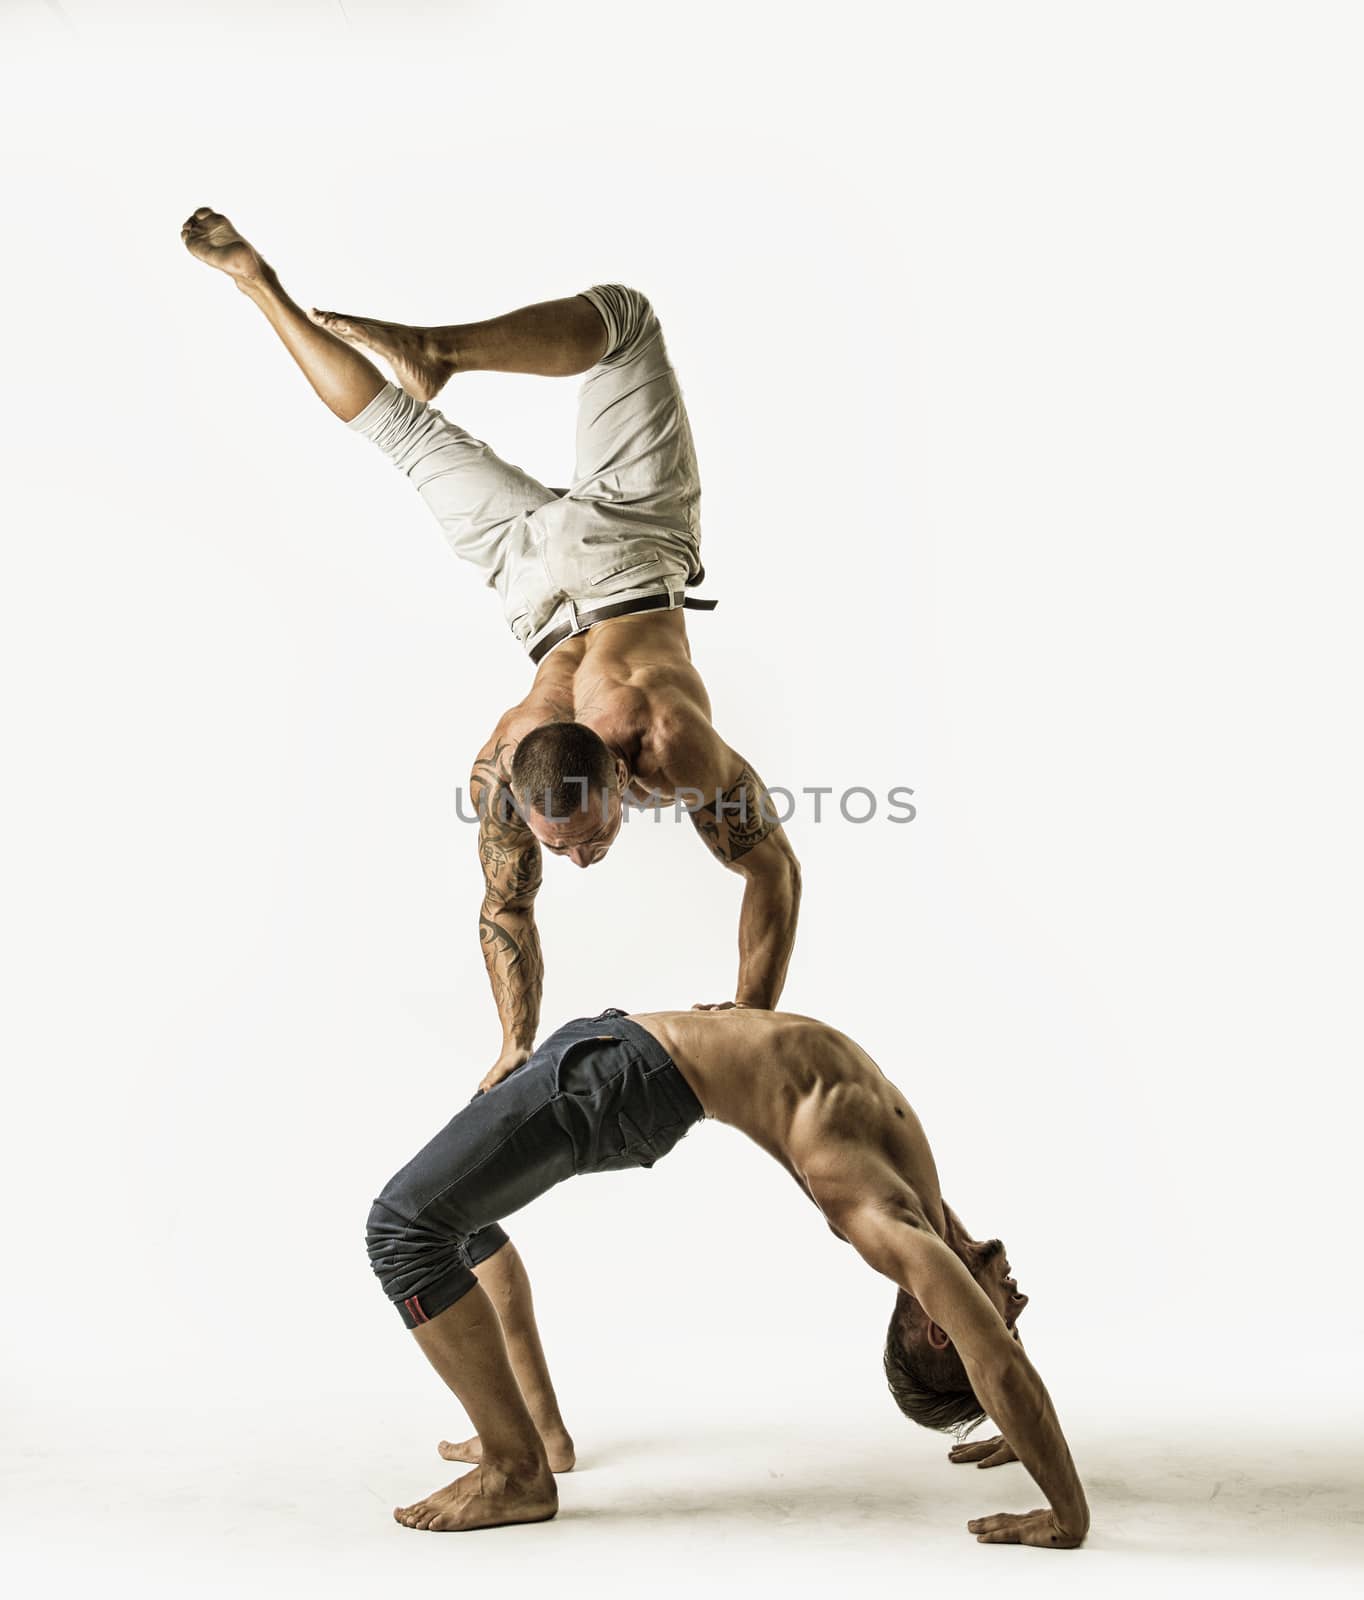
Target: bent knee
[
  {"x": 629, "y": 317},
  {"x": 385, "y": 1228}
]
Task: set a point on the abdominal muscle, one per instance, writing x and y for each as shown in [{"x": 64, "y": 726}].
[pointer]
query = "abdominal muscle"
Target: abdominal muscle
[{"x": 805, "y": 1093}]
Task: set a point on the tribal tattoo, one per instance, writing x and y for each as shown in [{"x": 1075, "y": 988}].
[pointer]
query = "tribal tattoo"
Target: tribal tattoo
[
  {"x": 512, "y": 864},
  {"x": 738, "y": 820}
]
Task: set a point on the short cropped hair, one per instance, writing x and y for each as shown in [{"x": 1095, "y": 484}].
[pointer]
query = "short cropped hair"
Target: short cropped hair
[
  {"x": 559, "y": 767},
  {"x": 929, "y": 1386}
]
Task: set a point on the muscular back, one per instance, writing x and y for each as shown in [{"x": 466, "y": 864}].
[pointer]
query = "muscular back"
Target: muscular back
[{"x": 631, "y": 680}]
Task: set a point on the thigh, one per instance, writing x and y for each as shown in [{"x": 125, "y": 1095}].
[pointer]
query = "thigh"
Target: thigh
[
  {"x": 477, "y": 498},
  {"x": 634, "y": 443},
  {"x": 503, "y": 1150}
]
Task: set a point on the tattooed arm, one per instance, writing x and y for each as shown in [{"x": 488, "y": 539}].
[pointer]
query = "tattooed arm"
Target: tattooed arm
[
  {"x": 510, "y": 857},
  {"x": 737, "y": 820}
]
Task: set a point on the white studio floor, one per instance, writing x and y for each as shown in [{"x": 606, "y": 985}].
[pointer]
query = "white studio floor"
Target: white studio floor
[{"x": 115, "y": 1504}]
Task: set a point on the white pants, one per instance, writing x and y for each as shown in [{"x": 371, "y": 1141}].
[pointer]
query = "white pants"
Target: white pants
[{"x": 628, "y": 526}]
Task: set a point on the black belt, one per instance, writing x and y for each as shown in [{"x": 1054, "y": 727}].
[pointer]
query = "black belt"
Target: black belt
[{"x": 623, "y": 608}]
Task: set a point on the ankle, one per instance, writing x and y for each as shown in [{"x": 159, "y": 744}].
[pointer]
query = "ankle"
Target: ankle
[
  {"x": 441, "y": 347},
  {"x": 517, "y": 1464},
  {"x": 260, "y": 285}
]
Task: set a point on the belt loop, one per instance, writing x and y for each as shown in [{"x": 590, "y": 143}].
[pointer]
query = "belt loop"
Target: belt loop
[{"x": 572, "y": 615}]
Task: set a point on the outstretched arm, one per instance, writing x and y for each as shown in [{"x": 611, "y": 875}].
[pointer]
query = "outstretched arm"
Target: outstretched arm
[
  {"x": 737, "y": 819},
  {"x": 511, "y": 862},
  {"x": 898, "y": 1243}
]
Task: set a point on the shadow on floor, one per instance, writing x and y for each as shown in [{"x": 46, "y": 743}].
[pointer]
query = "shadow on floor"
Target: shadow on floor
[{"x": 1159, "y": 1493}]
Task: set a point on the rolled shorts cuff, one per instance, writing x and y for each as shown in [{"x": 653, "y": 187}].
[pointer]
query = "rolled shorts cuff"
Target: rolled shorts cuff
[
  {"x": 486, "y": 1243},
  {"x": 379, "y": 410},
  {"x": 439, "y": 1296}
]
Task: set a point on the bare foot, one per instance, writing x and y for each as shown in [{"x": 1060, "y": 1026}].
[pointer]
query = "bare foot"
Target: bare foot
[
  {"x": 212, "y": 239},
  {"x": 417, "y": 360},
  {"x": 483, "y": 1498},
  {"x": 558, "y": 1448}
]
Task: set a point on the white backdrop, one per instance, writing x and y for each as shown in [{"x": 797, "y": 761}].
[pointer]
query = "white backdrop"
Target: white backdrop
[{"x": 1022, "y": 347}]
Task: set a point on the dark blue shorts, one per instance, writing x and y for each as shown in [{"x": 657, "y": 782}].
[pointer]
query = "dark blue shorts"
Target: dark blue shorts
[{"x": 599, "y": 1095}]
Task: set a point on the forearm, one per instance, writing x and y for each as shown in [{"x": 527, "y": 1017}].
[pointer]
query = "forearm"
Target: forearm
[
  {"x": 1015, "y": 1396},
  {"x": 767, "y": 932},
  {"x": 516, "y": 971}
]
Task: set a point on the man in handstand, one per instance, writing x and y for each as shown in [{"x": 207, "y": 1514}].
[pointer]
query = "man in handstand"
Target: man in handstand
[
  {"x": 592, "y": 580},
  {"x": 612, "y": 1091}
]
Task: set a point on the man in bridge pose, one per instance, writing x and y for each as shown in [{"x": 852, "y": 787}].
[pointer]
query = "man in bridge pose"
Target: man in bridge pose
[
  {"x": 592, "y": 580},
  {"x": 612, "y": 1091}
]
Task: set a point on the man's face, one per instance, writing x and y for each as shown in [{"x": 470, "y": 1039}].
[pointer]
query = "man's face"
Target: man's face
[
  {"x": 585, "y": 836},
  {"x": 992, "y": 1272},
  {"x": 988, "y": 1263}
]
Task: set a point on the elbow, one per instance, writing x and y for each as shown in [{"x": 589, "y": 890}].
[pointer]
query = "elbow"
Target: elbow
[
  {"x": 501, "y": 908},
  {"x": 791, "y": 890}
]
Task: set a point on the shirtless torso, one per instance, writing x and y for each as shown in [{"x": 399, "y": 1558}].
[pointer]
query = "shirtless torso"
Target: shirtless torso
[
  {"x": 819, "y": 1105},
  {"x": 631, "y": 680}
]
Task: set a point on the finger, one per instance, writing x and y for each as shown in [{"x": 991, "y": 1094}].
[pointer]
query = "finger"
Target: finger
[
  {"x": 998, "y": 1458},
  {"x": 999, "y": 1536},
  {"x": 987, "y": 1524},
  {"x": 973, "y": 1451}
]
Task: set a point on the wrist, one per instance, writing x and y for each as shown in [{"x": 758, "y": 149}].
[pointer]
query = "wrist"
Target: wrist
[{"x": 1071, "y": 1520}]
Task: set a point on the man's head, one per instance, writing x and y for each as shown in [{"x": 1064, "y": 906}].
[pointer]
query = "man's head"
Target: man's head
[
  {"x": 568, "y": 786},
  {"x": 924, "y": 1371}
]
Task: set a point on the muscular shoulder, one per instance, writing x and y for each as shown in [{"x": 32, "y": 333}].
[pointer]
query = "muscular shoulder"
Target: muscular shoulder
[{"x": 680, "y": 745}]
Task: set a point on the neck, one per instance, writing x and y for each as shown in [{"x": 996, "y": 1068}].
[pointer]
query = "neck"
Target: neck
[{"x": 954, "y": 1232}]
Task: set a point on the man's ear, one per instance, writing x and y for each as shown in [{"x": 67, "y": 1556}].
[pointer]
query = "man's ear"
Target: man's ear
[
  {"x": 937, "y": 1339},
  {"x": 622, "y": 774}
]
